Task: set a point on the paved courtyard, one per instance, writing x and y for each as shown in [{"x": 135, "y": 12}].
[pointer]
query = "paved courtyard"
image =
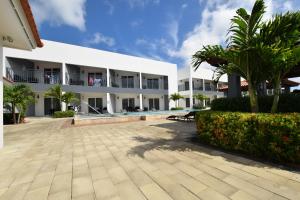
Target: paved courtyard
[{"x": 45, "y": 159}]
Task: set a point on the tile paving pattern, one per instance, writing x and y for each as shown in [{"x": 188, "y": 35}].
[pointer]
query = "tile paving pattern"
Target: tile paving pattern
[{"x": 138, "y": 160}]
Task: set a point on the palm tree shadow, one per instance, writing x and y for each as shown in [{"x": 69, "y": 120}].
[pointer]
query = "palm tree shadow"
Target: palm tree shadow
[{"x": 182, "y": 137}]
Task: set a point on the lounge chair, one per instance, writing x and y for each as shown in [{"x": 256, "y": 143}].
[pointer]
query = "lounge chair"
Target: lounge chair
[{"x": 189, "y": 117}]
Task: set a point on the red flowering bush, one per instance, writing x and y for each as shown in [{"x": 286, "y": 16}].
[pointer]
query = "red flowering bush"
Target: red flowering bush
[{"x": 272, "y": 136}]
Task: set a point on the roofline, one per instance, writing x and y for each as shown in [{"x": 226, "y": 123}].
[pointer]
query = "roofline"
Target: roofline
[{"x": 28, "y": 13}]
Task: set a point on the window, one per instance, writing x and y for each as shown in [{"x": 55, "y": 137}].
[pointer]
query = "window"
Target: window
[
  {"x": 154, "y": 104},
  {"x": 187, "y": 102},
  {"x": 186, "y": 85},
  {"x": 152, "y": 84},
  {"x": 95, "y": 104},
  {"x": 127, "y": 81},
  {"x": 95, "y": 79},
  {"x": 51, "y": 76},
  {"x": 128, "y": 104}
]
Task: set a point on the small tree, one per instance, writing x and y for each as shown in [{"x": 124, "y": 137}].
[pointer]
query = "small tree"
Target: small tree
[
  {"x": 201, "y": 97},
  {"x": 69, "y": 97},
  {"x": 18, "y": 96},
  {"x": 56, "y": 92},
  {"x": 175, "y": 97}
]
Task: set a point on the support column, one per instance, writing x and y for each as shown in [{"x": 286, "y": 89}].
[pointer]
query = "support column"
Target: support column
[
  {"x": 141, "y": 95},
  {"x": 63, "y": 105},
  {"x": 141, "y": 101},
  {"x": 64, "y": 81},
  {"x": 191, "y": 87},
  {"x": 234, "y": 85},
  {"x": 1, "y": 94},
  {"x": 203, "y": 83},
  {"x": 107, "y": 77}
]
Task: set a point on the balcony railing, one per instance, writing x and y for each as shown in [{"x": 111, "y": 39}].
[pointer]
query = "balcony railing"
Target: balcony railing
[
  {"x": 74, "y": 79},
  {"x": 101, "y": 82},
  {"x": 33, "y": 76},
  {"x": 28, "y": 76}
]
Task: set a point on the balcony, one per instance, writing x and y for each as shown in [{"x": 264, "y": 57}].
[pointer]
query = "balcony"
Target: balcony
[{"x": 33, "y": 76}]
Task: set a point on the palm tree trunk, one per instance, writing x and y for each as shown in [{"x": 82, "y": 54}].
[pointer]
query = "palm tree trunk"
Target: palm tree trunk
[
  {"x": 13, "y": 112},
  {"x": 253, "y": 98},
  {"x": 251, "y": 89},
  {"x": 276, "y": 95}
]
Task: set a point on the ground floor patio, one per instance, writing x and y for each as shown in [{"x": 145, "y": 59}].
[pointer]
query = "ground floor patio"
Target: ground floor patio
[{"x": 48, "y": 159}]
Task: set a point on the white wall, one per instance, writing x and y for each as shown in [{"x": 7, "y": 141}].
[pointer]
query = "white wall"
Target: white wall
[
  {"x": 1, "y": 94},
  {"x": 39, "y": 104}
]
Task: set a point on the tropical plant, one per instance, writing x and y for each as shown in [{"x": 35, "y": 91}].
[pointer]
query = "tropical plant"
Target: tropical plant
[
  {"x": 56, "y": 92},
  {"x": 175, "y": 97},
  {"x": 200, "y": 97},
  {"x": 278, "y": 38},
  {"x": 241, "y": 56},
  {"x": 20, "y": 97},
  {"x": 69, "y": 97},
  {"x": 257, "y": 51}
]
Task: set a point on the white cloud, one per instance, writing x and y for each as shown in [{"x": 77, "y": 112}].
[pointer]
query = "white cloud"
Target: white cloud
[
  {"x": 172, "y": 29},
  {"x": 136, "y": 23},
  {"x": 214, "y": 23},
  {"x": 99, "y": 38},
  {"x": 141, "y": 3},
  {"x": 183, "y": 6},
  {"x": 111, "y": 7},
  {"x": 60, "y": 12}
]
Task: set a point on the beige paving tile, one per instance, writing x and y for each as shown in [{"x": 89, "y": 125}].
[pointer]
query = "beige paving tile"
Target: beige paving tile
[
  {"x": 104, "y": 188},
  {"x": 154, "y": 192},
  {"x": 127, "y": 190},
  {"x": 37, "y": 194},
  {"x": 82, "y": 186},
  {"x": 138, "y": 160},
  {"x": 242, "y": 195},
  {"x": 61, "y": 182}
]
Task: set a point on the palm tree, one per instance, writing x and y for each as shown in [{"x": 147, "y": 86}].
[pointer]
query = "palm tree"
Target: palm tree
[
  {"x": 280, "y": 53},
  {"x": 175, "y": 97},
  {"x": 201, "y": 97},
  {"x": 56, "y": 93},
  {"x": 241, "y": 56},
  {"x": 18, "y": 96},
  {"x": 69, "y": 97}
]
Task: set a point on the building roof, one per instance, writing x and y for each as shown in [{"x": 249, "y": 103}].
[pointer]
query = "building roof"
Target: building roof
[
  {"x": 28, "y": 13},
  {"x": 244, "y": 85}
]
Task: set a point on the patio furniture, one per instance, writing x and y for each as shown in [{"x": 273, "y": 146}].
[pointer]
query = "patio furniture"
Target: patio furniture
[{"x": 189, "y": 117}]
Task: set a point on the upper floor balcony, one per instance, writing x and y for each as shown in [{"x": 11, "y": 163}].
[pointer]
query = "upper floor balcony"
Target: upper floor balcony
[
  {"x": 26, "y": 71},
  {"x": 85, "y": 76}
]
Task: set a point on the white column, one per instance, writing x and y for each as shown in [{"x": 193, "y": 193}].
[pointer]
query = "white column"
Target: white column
[
  {"x": 107, "y": 77},
  {"x": 141, "y": 101},
  {"x": 203, "y": 85},
  {"x": 64, "y": 73},
  {"x": 141, "y": 95},
  {"x": 191, "y": 87},
  {"x": 63, "y": 105},
  {"x": 1, "y": 94}
]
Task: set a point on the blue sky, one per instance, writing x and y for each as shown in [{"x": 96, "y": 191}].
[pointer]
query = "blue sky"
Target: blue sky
[{"x": 167, "y": 30}]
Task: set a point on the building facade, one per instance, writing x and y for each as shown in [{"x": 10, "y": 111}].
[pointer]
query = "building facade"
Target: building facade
[
  {"x": 192, "y": 82},
  {"x": 105, "y": 81}
]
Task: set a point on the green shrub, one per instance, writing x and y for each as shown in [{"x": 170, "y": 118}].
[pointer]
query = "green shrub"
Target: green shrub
[
  {"x": 62, "y": 114},
  {"x": 274, "y": 137},
  {"x": 287, "y": 103},
  {"x": 177, "y": 108},
  {"x": 198, "y": 106}
]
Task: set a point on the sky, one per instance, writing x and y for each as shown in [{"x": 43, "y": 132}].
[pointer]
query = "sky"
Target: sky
[{"x": 166, "y": 30}]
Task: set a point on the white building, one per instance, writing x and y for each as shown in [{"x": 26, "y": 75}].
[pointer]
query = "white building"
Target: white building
[
  {"x": 17, "y": 30},
  {"x": 104, "y": 80},
  {"x": 201, "y": 82}
]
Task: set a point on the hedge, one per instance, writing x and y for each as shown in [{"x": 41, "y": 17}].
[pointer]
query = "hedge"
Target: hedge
[
  {"x": 62, "y": 114},
  {"x": 287, "y": 103},
  {"x": 274, "y": 137}
]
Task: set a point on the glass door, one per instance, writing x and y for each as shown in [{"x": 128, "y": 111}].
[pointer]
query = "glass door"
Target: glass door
[
  {"x": 154, "y": 104},
  {"x": 95, "y": 104}
]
